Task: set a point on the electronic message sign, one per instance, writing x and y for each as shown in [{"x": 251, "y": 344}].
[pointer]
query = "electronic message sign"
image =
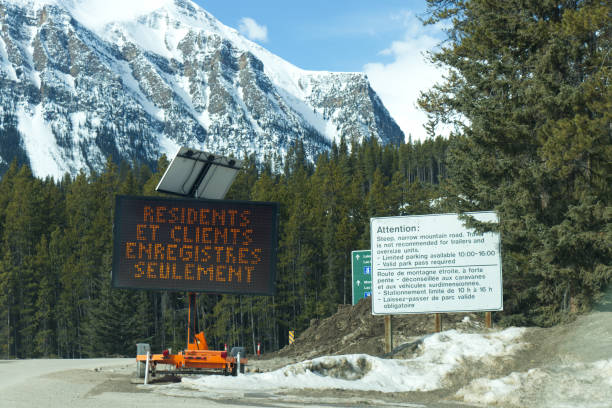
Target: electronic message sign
[
  {"x": 434, "y": 264},
  {"x": 212, "y": 246}
]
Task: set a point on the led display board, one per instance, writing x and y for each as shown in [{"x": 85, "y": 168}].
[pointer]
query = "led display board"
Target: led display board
[{"x": 211, "y": 246}]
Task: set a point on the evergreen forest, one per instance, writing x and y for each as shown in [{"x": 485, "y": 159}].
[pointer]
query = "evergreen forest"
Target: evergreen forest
[
  {"x": 529, "y": 102},
  {"x": 55, "y": 270}
]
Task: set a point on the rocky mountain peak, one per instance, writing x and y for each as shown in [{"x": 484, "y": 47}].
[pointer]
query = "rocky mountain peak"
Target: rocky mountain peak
[{"x": 164, "y": 73}]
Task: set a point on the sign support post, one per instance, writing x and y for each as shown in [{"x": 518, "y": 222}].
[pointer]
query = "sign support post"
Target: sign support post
[
  {"x": 388, "y": 334},
  {"x": 488, "y": 324},
  {"x": 192, "y": 319}
]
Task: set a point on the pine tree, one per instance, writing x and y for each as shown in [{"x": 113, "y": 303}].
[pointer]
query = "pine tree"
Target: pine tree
[
  {"x": 46, "y": 277},
  {"x": 6, "y": 190},
  {"x": 245, "y": 179},
  {"x": 113, "y": 326},
  {"x": 8, "y": 305},
  {"x": 78, "y": 286},
  {"x": 528, "y": 92},
  {"x": 24, "y": 224}
]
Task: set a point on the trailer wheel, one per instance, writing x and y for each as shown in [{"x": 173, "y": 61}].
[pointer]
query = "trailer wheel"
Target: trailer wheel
[
  {"x": 140, "y": 369},
  {"x": 242, "y": 368},
  {"x": 234, "y": 370}
]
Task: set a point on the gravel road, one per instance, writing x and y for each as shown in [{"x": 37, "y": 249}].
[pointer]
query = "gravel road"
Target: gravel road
[
  {"x": 91, "y": 383},
  {"x": 103, "y": 383},
  {"x": 569, "y": 361}
]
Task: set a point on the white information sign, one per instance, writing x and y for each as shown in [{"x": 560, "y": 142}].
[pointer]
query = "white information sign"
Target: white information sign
[{"x": 434, "y": 264}]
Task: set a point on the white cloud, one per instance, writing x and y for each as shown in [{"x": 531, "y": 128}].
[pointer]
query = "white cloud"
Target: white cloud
[
  {"x": 252, "y": 30},
  {"x": 399, "y": 82}
]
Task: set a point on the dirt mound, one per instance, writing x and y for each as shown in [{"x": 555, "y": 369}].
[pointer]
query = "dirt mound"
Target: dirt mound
[{"x": 354, "y": 330}]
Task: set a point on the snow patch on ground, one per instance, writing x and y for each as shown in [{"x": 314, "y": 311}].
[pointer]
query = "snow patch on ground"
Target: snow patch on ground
[
  {"x": 67, "y": 79},
  {"x": 149, "y": 37},
  {"x": 29, "y": 56},
  {"x": 441, "y": 354},
  {"x": 40, "y": 144},
  {"x": 168, "y": 146},
  {"x": 132, "y": 84},
  {"x": 578, "y": 385},
  {"x": 305, "y": 110},
  {"x": 95, "y": 14},
  {"x": 501, "y": 390},
  {"x": 5, "y": 63}
]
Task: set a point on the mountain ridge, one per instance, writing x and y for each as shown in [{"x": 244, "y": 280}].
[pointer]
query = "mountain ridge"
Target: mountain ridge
[{"x": 75, "y": 92}]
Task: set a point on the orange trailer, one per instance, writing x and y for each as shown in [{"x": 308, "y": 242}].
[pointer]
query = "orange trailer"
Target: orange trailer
[{"x": 197, "y": 358}]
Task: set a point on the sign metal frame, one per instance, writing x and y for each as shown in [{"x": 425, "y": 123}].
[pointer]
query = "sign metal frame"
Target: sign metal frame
[{"x": 198, "y": 174}]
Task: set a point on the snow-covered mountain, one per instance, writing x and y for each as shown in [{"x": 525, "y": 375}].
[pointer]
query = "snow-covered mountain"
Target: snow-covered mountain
[{"x": 79, "y": 83}]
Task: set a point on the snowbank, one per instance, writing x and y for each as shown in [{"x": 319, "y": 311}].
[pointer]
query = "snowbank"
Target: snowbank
[
  {"x": 440, "y": 355},
  {"x": 577, "y": 385}
]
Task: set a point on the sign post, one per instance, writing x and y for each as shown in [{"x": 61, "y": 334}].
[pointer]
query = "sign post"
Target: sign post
[
  {"x": 361, "y": 263},
  {"x": 388, "y": 334},
  {"x": 434, "y": 264},
  {"x": 207, "y": 245},
  {"x": 438, "y": 323}
]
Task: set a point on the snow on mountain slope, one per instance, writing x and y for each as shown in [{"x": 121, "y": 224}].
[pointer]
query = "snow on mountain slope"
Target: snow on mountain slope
[{"x": 84, "y": 79}]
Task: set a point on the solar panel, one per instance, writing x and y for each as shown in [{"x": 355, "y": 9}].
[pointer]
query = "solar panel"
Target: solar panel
[{"x": 194, "y": 173}]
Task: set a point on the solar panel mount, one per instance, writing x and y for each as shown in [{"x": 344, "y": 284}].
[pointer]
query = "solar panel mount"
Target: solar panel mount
[{"x": 198, "y": 174}]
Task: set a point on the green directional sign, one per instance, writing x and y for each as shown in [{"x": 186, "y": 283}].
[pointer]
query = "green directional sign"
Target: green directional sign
[{"x": 362, "y": 274}]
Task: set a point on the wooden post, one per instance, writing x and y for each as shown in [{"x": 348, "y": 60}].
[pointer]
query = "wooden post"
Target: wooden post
[
  {"x": 388, "y": 334},
  {"x": 438, "y": 323},
  {"x": 488, "y": 324}
]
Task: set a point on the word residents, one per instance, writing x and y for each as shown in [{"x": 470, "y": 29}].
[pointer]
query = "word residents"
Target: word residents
[{"x": 193, "y": 244}]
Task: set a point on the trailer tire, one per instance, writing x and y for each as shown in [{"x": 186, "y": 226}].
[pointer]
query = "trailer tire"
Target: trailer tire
[
  {"x": 140, "y": 369},
  {"x": 234, "y": 370},
  {"x": 242, "y": 368}
]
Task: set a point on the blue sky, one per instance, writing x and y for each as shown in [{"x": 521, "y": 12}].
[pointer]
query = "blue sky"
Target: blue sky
[{"x": 382, "y": 38}]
